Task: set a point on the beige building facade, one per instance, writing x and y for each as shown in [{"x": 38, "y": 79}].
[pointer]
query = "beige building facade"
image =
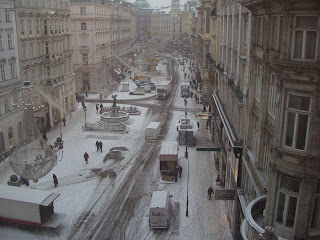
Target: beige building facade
[{"x": 101, "y": 32}]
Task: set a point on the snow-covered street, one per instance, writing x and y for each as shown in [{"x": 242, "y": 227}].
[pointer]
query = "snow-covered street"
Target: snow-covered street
[{"x": 85, "y": 189}]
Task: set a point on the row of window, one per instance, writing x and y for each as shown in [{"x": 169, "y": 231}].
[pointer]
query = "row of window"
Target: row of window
[
  {"x": 53, "y": 4},
  {"x": 31, "y": 26},
  {"x": 6, "y": 102},
  {"x": 6, "y": 16},
  {"x": 49, "y": 49},
  {"x": 3, "y": 75}
]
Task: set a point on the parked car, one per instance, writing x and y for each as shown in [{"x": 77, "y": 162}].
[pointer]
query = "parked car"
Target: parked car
[{"x": 137, "y": 92}]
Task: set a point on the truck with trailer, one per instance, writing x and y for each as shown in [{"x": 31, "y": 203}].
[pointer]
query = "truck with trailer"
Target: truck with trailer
[
  {"x": 160, "y": 209},
  {"x": 163, "y": 89},
  {"x": 153, "y": 131},
  {"x": 168, "y": 157},
  {"x": 185, "y": 90},
  {"x": 29, "y": 206}
]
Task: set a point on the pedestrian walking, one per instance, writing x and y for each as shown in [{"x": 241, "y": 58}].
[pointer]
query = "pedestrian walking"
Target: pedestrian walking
[
  {"x": 180, "y": 171},
  {"x": 44, "y": 135},
  {"x": 210, "y": 191},
  {"x": 176, "y": 173},
  {"x": 100, "y": 144},
  {"x": 97, "y": 107},
  {"x": 101, "y": 108},
  {"x": 55, "y": 180},
  {"x": 64, "y": 121},
  {"x": 198, "y": 124},
  {"x": 86, "y": 157}
]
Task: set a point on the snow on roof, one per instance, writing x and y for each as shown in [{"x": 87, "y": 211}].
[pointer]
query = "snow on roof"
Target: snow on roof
[
  {"x": 159, "y": 199},
  {"x": 153, "y": 125},
  {"x": 169, "y": 147},
  {"x": 23, "y": 194},
  {"x": 164, "y": 83}
]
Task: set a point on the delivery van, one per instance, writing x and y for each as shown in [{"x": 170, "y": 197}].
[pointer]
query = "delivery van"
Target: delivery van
[{"x": 160, "y": 209}]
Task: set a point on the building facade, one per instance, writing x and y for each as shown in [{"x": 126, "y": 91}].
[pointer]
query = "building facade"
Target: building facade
[
  {"x": 10, "y": 81},
  {"x": 102, "y": 31},
  {"x": 39, "y": 42},
  {"x": 263, "y": 68}
]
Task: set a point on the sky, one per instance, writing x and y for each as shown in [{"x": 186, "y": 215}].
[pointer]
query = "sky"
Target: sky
[{"x": 159, "y": 3}]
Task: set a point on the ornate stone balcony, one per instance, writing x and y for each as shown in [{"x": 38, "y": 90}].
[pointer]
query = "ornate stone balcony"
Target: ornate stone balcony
[{"x": 252, "y": 225}]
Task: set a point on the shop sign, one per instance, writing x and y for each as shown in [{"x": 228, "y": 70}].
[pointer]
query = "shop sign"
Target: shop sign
[{"x": 225, "y": 194}]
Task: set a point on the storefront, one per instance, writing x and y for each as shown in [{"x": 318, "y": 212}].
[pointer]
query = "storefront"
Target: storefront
[{"x": 229, "y": 164}]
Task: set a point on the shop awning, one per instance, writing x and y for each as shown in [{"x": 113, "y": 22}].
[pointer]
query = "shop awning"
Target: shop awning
[{"x": 236, "y": 143}]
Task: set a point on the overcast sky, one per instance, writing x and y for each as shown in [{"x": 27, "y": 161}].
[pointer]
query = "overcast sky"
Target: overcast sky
[{"x": 159, "y": 3}]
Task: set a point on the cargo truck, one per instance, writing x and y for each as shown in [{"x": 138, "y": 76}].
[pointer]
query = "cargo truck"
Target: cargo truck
[
  {"x": 168, "y": 160},
  {"x": 160, "y": 209},
  {"x": 153, "y": 131},
  {"x": 163, "y": 89},
  {"x": 29, "y": 206}
]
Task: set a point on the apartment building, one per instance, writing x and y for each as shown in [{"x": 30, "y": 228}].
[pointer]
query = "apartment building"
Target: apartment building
[
  {"x": 10, "y": 81},
  {"x": 264, "y": 75},
  {"x": 102, "y": 31}
]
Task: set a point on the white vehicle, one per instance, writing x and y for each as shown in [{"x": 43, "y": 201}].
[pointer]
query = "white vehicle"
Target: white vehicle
[
  {"x": 153, "y": 131},
  {"x": 163, "y": 89},
  {"x": 160, "y": 209},
  {"x": 29, "y": 206}
]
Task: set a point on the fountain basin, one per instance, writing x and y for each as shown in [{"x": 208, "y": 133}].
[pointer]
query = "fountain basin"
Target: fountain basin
[{"x": 110, "y": 117}]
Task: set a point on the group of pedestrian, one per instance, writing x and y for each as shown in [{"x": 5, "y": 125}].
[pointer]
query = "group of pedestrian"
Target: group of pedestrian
[{"x": 99, "y": 146}]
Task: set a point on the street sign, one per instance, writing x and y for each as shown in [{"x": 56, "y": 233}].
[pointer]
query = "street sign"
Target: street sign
[
  {"x": 208, "y": 149},
  {"x": 225, "y": 194}
]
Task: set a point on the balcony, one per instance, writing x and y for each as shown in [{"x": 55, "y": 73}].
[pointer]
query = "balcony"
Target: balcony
[{"x": 252, "y": 226}]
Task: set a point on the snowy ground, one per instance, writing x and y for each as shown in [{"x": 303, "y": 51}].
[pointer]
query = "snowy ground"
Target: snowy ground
[{"x": 80, "y": 184}]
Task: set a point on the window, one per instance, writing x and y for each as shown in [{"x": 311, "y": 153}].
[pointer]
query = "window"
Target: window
[
  {"x": 85, "y": 58},
  {"x": 272, "y": 95},
  {"x": 83, "y": 11},
  {"x": 315, "y": 222},
  {"x": 10, "y": 133},
  {"x": 84, "y": 41},
  {"x": 267, "y": 155},
  {"x": 275, "y": 32},
  {"x": 83, "y": 26},
  {"x": 1, "y": 48},
  {"x": 37, "y": 26},
  {"x": 48, "y": 71},
  {"x": 287, "y": 201},
  {"x": 45, "y": 27},
  {"x": 254, "y": 133},
  {"x": 297, "y": 117},
  {"x": 258, "y": 83},
  {"x": 7, "y": 13},
  {"x": 22, "y": 26},
  {"x": 31, "y": 50},
  {"x": 10, "y": 44},
  {"x": 305, "y": 37},
  {"x": 30, "y": 26},
  {"x": 2, "y": 72},
  {"x": 13, "y": 70}
]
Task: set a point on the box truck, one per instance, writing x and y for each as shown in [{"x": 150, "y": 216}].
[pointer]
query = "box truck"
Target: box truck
[
  {"x": 168, "y": 157},
  {"x": 153, "y": 131},
  {"x": 160, "y": 209},
  {"x": 29, "y": 206},
  {"x": 163, "y": 89}
]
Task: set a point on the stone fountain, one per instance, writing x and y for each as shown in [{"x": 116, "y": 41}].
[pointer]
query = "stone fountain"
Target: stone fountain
[{"x": 114, "y": 116}]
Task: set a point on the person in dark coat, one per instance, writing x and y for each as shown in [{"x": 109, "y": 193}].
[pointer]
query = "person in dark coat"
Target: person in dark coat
[
  {"x": 97, "y": 108},
  {"x": 100, "y": 145},
  {"x": 64, "y": 121},
  {"x": 86, "y": 157},
  {"x": 55, "y": 180},
  {"x": 180, "y": 171},
  {"x": 210, "y": 191}
]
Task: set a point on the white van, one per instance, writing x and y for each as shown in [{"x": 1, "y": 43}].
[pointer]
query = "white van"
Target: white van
[{"x": 160, "y": 208}]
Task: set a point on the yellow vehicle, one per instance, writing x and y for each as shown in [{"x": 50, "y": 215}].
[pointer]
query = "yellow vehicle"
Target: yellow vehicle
[{"x": 138, "y": 77}]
